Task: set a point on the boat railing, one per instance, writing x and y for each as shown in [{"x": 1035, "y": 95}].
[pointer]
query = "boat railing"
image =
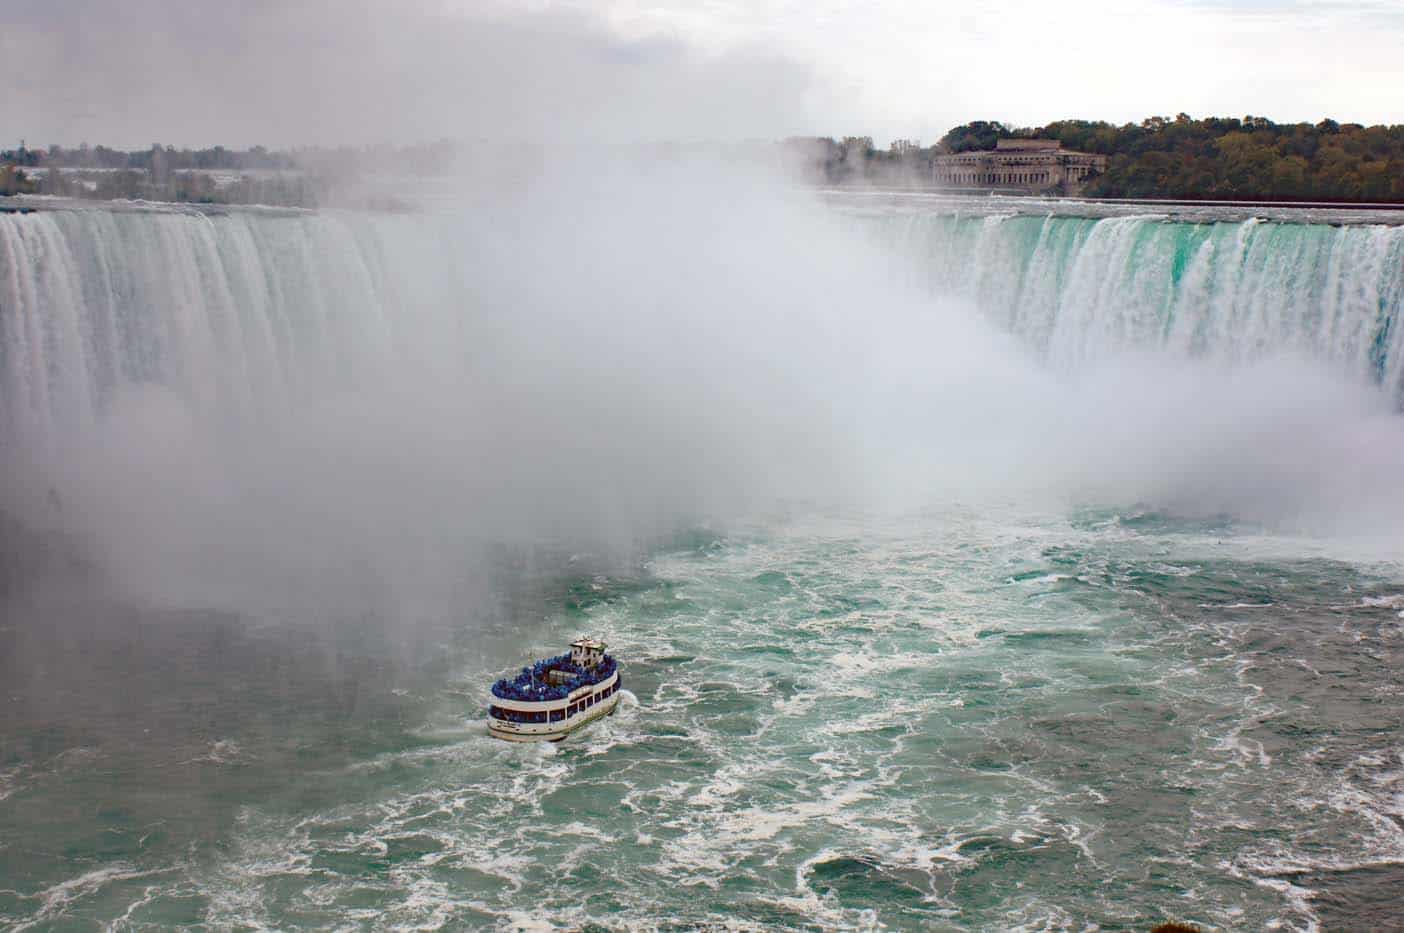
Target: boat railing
[
  {"x": 560, "y": 714},
  {"x": 534, "y": 683}
]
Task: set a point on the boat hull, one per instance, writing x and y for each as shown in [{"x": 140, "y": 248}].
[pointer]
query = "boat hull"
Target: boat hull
[{"x": 551, "y": 731}]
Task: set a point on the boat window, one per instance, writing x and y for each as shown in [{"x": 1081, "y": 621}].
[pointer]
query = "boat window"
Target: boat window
[
  {"x": 557, "y": 715},
  {"x": 570, "y": 710}
]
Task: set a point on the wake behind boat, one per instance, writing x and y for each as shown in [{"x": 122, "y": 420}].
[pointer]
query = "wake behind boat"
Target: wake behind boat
[{"x": 554, "y": 697}]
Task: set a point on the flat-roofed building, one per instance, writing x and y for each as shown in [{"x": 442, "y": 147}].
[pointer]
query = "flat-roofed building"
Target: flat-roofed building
[{"x": 1037, "y": 165}]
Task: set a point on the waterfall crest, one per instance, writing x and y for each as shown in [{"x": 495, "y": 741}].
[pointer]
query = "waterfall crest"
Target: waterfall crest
[
  {"x": 1081, "y": 289},
  {"x": 236, "y": 312},
  {"x": 232, "y": 312}
]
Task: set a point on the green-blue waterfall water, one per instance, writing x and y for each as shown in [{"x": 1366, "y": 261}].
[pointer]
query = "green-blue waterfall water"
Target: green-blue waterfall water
[
  {"x": 1080, "y": 288},
  {"x": 923, "y": 627}
]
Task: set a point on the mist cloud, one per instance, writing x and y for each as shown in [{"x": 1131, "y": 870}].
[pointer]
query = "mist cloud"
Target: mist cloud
[{"x": 369, "y": 71}]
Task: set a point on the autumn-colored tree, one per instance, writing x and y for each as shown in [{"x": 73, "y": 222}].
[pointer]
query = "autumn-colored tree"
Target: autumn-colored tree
[{"x": 1238, "y": 158}]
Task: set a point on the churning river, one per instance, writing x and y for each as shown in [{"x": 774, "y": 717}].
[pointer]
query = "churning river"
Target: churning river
[{"x": 1100, "y": 709}]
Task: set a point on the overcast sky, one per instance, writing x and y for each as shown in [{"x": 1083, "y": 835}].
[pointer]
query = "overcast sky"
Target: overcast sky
[{"x": 199, "y": 72}]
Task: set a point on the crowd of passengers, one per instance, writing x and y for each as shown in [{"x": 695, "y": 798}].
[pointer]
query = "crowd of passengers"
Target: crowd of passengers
[
  {"x": 532, "y": 684},
  {"x": 555, "y": 715}
]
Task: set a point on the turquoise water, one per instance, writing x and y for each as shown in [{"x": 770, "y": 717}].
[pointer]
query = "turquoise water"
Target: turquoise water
[
  {"x": 953, "y": 720},
  {"x": 1080, "y": 290},
  {"x": 282, "y": 496},
  {"x": 243, "y": 314}
]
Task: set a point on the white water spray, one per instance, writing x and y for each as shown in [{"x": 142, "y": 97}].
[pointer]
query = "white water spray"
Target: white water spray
[{"x": 345, "y": 410}]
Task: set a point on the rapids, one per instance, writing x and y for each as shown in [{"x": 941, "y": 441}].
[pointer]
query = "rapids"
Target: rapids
[{"x": 283, "y": 494}]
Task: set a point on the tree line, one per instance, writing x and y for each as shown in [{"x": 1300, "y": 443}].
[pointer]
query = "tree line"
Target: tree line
[
  {"x": 303, "y": 177},
  {"x": 824, "y": 160},
  {"x": 423, "y": 158},
  {"x": 1221, "y": 158},
  {"x": 1215, "y": 158}
]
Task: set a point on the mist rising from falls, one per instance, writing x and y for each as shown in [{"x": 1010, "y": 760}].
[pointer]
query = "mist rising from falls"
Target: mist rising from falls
[
  {"x": 356, "y": 412},
  {"x": 243, "y": 313},
  {"x": 350, "y": 413},
  {"x": 230, "y": 313},
  {"x": 1083, "y": 290},
  {"x": 210, "y": 399}
]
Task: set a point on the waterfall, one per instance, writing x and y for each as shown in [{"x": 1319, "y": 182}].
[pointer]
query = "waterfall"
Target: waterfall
[
  {"x": 1080, "y": 289},
  {"x": 233, "y": 312},
  {"x": 290, "y": 410},
  {"x": 242, "y": 311}
]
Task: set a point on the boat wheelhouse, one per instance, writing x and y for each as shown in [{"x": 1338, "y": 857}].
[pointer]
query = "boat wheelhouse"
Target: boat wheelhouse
[{"x": 555, "y": 696}]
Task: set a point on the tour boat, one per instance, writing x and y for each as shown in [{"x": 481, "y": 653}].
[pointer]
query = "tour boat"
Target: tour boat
[{"x": 554, "y": 697}]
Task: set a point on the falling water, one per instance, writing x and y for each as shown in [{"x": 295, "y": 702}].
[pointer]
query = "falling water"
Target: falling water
[
  {"x": 1083, "y": 289},
  {"x": 1008, "y": 715},
  {"x": 233, "y": 312}
]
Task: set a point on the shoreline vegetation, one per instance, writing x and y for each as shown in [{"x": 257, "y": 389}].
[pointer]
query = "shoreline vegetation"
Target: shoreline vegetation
[
  {"x": 1225, "y": 158},
  {"x": 1216, "y": 159},
  {"x": 1162, "y": 158}
]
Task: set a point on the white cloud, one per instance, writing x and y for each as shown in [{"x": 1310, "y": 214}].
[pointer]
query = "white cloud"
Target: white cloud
[
  {"x": 906, "y": 67},
  {"x": 321, "y": 71},
  {"x": 365, "y": 70}
]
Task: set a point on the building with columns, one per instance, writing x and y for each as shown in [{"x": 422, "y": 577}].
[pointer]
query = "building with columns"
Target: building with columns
[{"x": 1036, "y": 165}]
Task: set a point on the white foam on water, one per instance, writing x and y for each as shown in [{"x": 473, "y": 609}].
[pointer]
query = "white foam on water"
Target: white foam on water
[
  {"x": 12, "y": 780},
  {"x": 725, "y": 782},
  {"x": 55, "y": 900},
  {"x": 221, "y": 751},
  {"x": 1382, "y": 602},
  {"x": 1236, "y": 605}
]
